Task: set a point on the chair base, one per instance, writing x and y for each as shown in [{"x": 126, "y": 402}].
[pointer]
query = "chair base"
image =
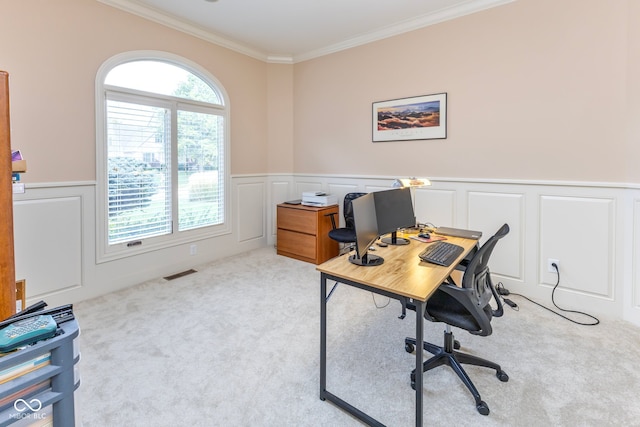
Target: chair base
[{"x": 447, "y": 355}]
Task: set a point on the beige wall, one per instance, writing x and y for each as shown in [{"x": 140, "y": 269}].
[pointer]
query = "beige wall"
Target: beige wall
[
  {"x": 632, "y": 160},
  {"x": 537, "y": 89},
  {"x": 53, "y": 49},
  {"x": 280, "y": 118}
]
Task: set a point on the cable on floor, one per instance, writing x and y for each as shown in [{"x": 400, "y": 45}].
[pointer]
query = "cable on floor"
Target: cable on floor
[
  {"x": 503, "y": 291},
  {"x": 373, "y": 296}
]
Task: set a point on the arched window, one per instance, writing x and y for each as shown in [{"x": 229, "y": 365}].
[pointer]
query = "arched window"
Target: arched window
[{"x": 162, "y": 156}]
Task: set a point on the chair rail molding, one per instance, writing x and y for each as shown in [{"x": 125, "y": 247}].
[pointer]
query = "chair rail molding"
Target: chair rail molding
[{"x": 593, "y": 229}]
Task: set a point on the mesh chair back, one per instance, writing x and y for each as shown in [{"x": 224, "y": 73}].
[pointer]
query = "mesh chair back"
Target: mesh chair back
[
  {"x": 347, "y": 209},
  {"x": 477, "y": 276}
]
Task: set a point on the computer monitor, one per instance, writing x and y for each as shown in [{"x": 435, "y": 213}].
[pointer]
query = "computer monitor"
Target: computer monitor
[
  {"x": 394, "y": 210},
  {"x": 366, "y": 227}
]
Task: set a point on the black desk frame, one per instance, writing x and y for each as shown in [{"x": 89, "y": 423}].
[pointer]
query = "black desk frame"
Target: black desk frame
[{"x": 324, "y": 393}]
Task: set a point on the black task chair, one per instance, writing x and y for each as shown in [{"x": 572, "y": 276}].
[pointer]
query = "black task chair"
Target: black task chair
[
  {"x": 467, "y": 307},
  {"x": 347, "y": 234}
]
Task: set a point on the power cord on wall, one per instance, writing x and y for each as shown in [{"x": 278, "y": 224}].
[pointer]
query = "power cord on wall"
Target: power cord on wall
[{"x": 504, "y": 291}]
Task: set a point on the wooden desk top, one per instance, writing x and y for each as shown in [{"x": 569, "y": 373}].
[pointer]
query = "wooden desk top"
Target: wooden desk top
[{"x": 402, "y": 273}]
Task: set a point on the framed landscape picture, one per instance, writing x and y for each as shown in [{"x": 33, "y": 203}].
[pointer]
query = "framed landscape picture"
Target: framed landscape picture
[{"x": 418, "y": 117}]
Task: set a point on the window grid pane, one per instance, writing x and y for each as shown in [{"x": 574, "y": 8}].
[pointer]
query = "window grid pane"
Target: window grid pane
[
  {"x": 139, "y": 181},
  {"x": 160, "y": 77},
  {"x": 200, "y": 170}
]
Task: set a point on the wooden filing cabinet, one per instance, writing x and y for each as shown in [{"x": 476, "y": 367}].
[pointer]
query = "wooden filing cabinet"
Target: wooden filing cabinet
[{"x": 303, "y": 232}]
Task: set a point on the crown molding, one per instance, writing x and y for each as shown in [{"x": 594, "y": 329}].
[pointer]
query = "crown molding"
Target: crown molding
[
  {"x": 412, "y": 24},
  {"x": 190, "y": 28},
  {"x": 279, "y": 59},
  {"x": 446, "y": 14}
]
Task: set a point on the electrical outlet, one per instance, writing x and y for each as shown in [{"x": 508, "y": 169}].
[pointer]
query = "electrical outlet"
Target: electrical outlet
[
  {"x": 193, "y": 249},
  {"x": 550, "y": 266}
]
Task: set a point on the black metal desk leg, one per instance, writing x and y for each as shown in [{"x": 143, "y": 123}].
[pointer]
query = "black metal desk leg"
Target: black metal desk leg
[
  {"x": 323, "y": 335},
  {"x": 420, "y": 307}
]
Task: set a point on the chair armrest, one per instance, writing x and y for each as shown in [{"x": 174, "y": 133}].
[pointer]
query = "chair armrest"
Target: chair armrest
[
  {"x": 462, "y": 266},
  {"x": 333, "y": 221}
]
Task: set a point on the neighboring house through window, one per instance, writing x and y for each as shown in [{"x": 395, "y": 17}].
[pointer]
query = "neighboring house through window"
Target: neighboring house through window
[{"x": 162, "y": 154}]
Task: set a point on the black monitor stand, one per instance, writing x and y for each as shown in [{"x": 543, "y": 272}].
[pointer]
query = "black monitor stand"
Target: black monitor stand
[
  {"x": 395, "y": 240},
  {"x": 368, "y": 260}
]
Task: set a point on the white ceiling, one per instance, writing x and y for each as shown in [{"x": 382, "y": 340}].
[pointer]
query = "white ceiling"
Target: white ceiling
[{"x": 296, "y": 30}]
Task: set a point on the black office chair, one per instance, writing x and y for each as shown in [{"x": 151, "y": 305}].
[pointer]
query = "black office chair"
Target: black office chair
[
  {"x": 347, "y": 234},
  {"x": 467, "y": 307}
]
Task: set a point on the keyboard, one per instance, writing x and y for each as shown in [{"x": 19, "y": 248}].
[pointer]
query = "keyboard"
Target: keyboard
[{"x": 441, "y": 253}]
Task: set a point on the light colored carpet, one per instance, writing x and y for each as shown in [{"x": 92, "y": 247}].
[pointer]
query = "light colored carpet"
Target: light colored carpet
[{"x": 237, "y": 344}]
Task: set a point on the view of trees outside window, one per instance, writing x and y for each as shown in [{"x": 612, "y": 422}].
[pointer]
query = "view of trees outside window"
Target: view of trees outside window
[{"x": 165, "y": 151}]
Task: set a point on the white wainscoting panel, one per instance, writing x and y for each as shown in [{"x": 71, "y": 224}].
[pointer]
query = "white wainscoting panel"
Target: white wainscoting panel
[
  {"x": 341, "y": 190},
  {"x": 635, "y": 256},
  {"x": 370, "y": 188},
  {"x": 281, "y": 191},
  {"x": 251, "y": 200},
  {"x": 579, "y": 233},
  {"x": 490, "y": 211},
  {"x": 304, "y": 186},
  {"x": 437, "y": 207},
  {"x": 48, "y": 244}
]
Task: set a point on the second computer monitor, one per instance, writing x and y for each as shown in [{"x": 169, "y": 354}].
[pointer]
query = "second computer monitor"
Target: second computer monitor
[
  {"x": 366, "y": 228},
  {"x": 394, "y": 210}
]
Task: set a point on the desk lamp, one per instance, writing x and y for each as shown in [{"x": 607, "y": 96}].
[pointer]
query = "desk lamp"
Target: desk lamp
[{"x": 411, "y": 182}]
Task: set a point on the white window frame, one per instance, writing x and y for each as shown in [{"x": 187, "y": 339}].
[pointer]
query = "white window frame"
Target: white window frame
[{"x": 106, "y": 252}]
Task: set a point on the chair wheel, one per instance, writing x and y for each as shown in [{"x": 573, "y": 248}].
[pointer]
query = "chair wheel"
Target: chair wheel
[
  {"x": 408, "y": 347},
  {"x": 483, "y": 408},
  {"x": 456, "y": 344},
  {"x": 413, "y": 380},
  {"x": 502, "y": 376}
]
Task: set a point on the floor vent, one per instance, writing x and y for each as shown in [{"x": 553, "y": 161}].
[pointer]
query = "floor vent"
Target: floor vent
[{"x": 183, "y": 273}]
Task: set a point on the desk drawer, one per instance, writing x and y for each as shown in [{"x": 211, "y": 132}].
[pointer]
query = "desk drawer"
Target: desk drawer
[
  {"x": 298, "y": 245},
  {"x": 297, "y": 220}
]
